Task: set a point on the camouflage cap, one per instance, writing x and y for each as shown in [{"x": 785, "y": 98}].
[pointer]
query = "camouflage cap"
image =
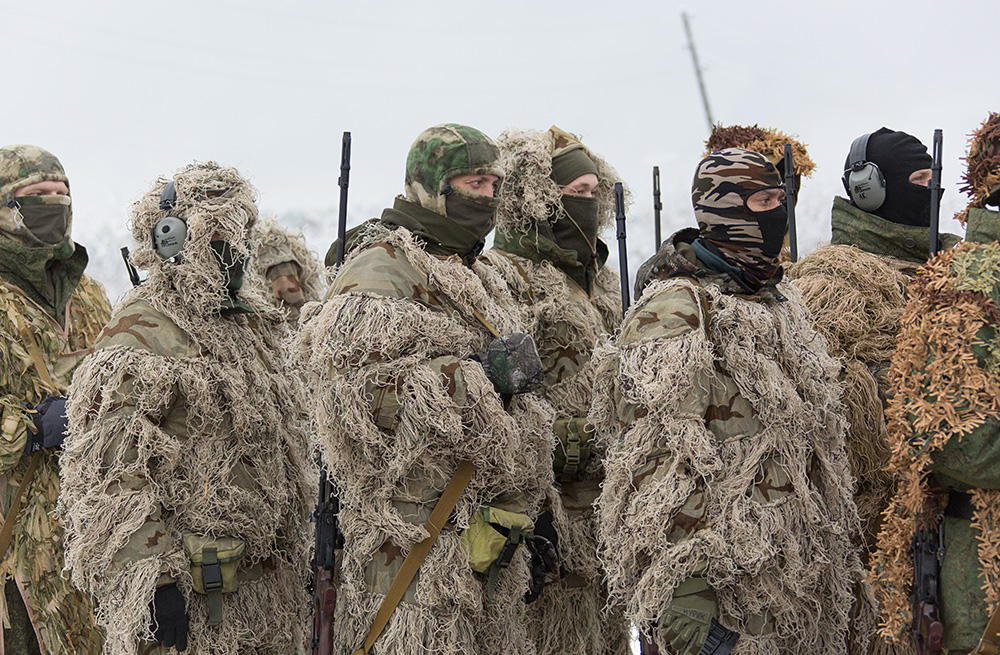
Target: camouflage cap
[
  {"x": 442, "y": 152},
  {"x": 765, "y": 140},
  {"x": 21, "y": 166},
  {"x": 982, "y": 174}
]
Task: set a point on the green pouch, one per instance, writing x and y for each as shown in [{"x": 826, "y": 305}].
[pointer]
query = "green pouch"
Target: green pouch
[
  {"x": 214, "y": 562},
  {"x": 493, "y": 536},
  {"x": 574, "y": 436}
]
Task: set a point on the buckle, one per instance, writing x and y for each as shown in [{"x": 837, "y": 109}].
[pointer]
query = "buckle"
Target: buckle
[{"x": 211, "y": 571}]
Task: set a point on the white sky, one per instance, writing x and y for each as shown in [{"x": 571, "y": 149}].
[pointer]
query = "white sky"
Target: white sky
[{"x": 123, "y": 91}]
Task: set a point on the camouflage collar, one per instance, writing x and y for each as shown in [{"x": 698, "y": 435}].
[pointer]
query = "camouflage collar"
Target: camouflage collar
[
  {"x": 29, "y": 269},
  {"x": 539, "y": 248},
  {"x": 441, "y": 235},
  {"x": 983, "y": 226},
  {"x": 854, "y": 227}
]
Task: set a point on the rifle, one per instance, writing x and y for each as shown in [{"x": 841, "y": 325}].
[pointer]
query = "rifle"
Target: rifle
[
  {"x": 790, "y": 193},
  {"x": 622, "y": 250},
  {"x": 928, "y": 552},
  {"x": 329, "y": 538},
  {"x": 133, "y": 274},
  {"x": 935, "y": 187},
  {"x": 657, "y": 205}
]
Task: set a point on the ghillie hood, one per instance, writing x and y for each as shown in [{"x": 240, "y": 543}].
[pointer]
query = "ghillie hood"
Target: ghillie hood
[
  {"x": 982, "y": 173},
  {"x": 276, "y": 244},
  {"x": 765, "y": 140}
]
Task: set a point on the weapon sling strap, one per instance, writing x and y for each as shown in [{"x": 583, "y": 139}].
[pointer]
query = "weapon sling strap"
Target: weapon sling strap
[
  {"x": 7, "y": 531},
  {"x": 991, "y": 636},
  {"x": 439, "y": 515}
]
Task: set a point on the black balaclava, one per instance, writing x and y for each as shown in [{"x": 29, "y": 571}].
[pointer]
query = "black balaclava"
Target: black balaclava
[{"x": 898, "y": 155}]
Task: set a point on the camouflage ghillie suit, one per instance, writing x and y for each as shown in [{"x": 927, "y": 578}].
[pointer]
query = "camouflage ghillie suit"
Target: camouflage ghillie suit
[
  {"x": 283, "y": 252},
  {"x": 571, "y": 309},
  {"x": 60, "y": 323},
  {"x": 403, "y": 404},
  {"x": 184, "y": 423},
  {"x": 944, "y": 420},
  {"x": 727, "y": 483}
]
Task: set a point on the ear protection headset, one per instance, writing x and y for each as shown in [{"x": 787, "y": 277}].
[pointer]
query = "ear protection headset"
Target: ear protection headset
[
  {"x": 863, "y": 180},
  {"x": 169, "y": 232}
]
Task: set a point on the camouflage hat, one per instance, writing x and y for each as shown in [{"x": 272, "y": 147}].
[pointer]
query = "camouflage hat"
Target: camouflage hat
[
  {"x": 21, "y": 166},
  {"x": 442, "y": 152},
  {"x": 765, "y": 140},
  {"x": 982, "y": 175}
]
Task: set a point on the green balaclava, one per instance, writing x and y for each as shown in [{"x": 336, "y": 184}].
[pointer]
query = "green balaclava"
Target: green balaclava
[
  {"x": 439, "y": 154},
  {"x": 748, "y": 240},
  {"x": 575, "y": 227},
  {"x": 35, "y": 241}
]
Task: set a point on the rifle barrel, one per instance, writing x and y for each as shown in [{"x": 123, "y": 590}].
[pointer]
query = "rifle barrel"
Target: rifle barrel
[
  {"x": 657, "y": 205},
  {"x": 622, "y": 248},
  {"x": 344, "y": 183},
  {"x": 790, "y": 193},
  {"x": 936, "y": 190}
]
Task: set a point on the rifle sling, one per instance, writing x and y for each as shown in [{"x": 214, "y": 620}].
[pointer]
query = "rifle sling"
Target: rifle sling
[
  {"x": 439, "y": 515},
  {"x": 991, "y": 636}
]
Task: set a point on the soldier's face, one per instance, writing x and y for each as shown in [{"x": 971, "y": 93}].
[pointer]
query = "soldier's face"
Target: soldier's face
[
  {"x": 583, "y": 187},
  {"x": 921, "y": 177},
  {"x": 43, "y": 188},
  {"x": 484, "y": 185},
  {"x": 286, "y": 288},
  {"x": 765, "y": 200}
]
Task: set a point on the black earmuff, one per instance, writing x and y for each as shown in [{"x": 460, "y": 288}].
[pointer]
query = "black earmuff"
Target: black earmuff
[
  {"x": 170, "y": 232},
  {"x": 863, "y": 180}
]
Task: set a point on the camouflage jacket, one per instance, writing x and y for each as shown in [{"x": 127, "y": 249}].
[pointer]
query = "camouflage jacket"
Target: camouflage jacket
[
  {"x": 726, "y": 459},
  {"x": 171, "y": 438},
  {"x": 62, "y": 615}
]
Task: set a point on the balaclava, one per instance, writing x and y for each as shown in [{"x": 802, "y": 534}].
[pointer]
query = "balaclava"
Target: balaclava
[
  {"x": 34, "y": 221},
  {"x": 218, "y": 208},
  {"x": 897, "y": 154},
  {"x": 575, "y": 227},
  {"x": 439, "y": 154},
  {"x": 749, "y": 240}
]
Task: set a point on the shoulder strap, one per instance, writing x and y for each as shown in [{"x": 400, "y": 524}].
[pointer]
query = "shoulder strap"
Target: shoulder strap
[
  {"x": 521, "y": 272},
  {"x": 7, "y": 531},
  {"x": 439, "y": 515},
  {"x": 37, "y": 359},
  {"x": 991, "y": 635}
]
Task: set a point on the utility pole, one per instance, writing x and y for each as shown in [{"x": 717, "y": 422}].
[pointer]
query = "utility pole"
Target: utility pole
[{"x": 697, "y": 70}]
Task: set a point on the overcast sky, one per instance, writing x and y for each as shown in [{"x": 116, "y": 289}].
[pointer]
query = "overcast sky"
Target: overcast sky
[{"x": 123, "y": 91}]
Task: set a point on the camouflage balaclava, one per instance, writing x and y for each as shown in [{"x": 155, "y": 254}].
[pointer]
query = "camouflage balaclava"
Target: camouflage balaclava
[
  {"x": 898, "y": 155},
  {"x": 35, "y": 222},
  {"x": 722, "y": 184},
  {"x": 441, "y": 153},
  {"x": 218, "y": 207}
]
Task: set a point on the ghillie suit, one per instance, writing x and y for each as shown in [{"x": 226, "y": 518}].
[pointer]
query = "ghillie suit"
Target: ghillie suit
[
  {"x": 770, "y": 143},
  {"x": 944, "y": 422},
  {"x": 403, "y": 404},
  {"x": 184, "y": 426},
  {"x": 574, "y": 304},
  {"x": 727, "y": 484},
  {"x": 279, "y": 253},
  {"x": 56, "y": 319},
  {"x": 982, "y": 174}
]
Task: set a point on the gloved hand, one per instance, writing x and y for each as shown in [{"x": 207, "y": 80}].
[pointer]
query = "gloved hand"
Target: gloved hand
[
  {"x": 170, "y": 619},
  {"x": 512, "y": 364},
  {"x": 685, "y": 626},
  {"x": 50, "y": 425},
  {"x": 544, "y": 548}
]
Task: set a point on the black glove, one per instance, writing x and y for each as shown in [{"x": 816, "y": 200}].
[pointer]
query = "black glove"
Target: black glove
[
  {"x": 512, "y": 364},
  {"x": 170, "y": 620},
  {"x": 544, "y": 548},
  {"x": 50, "y": 425}
]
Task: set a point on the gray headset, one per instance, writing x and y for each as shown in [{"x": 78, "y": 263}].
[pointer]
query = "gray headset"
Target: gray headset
[
  {"x": 170, "y": 232},
  {"x": 863, "y": 180}
]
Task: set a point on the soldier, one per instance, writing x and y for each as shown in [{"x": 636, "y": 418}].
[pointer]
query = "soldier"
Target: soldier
[
  {"x": 50, "y": 314},
  {"x": 292, "y": 271},
  {"x": 726, "y": 510},
  {"x": 417, "y": 387},
  {"x": 557, "y": 197},
  {"x": 944, "y": 422},
  {"x": 187, "y": 474}
]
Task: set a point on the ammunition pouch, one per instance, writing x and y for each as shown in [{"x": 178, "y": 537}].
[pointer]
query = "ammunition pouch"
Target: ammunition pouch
[
  {"x": 574, "y": 436},
  {"x": 492, "y": 538},
  {"x": 214, "y": 564}
]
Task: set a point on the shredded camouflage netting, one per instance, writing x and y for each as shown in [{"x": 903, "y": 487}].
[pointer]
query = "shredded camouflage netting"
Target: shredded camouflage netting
[
  {"x": 767, "y": 141},
  {"x": 185, "y": 422},
  {"x": 529, "y": 194},
  {"x": 940, "y": 392},
  {"x": 776, "y": 548},
  {"x": 401, "y": 404},
  {"x": 982, "y": 160},
  {"x": 276, "y": 244}
]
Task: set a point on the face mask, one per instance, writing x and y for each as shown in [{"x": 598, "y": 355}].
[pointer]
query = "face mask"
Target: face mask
[
  {"x": 231, "y": 265},
  {"x": 578, "y": 230},
  {"x": 471, "y": 211},
  {"x": 46, "y": 217},
  {"x": 906, "y": 203},
  {"x": 773, "y": 224}
]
